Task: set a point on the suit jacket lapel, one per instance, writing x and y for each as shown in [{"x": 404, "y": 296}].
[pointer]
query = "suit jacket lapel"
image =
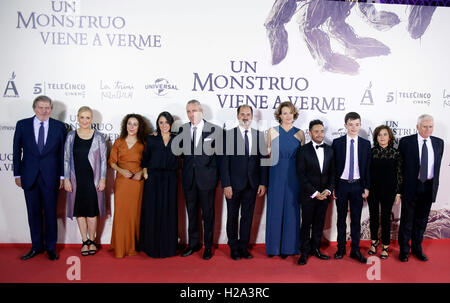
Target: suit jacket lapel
[
  {"x": 416, "y": 150},
  {"x": 50, "y": 134},
  {"x": 32, "y": 137},
  {"x": 326, "y": 156},
  {"x": 313, "y": 155}
]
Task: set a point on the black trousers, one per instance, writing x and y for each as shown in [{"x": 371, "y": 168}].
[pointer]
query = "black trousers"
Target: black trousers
[
  {"x": 349, "y": 193},
  {"x": 203, "y": 199},
  {"x": 313, "y": 220},
  {"x": 245, "y": 200},
  {"x": 414, "y": 218},
  {"x": 37, "y": 198},
  {"x": 376, "y": 198}
]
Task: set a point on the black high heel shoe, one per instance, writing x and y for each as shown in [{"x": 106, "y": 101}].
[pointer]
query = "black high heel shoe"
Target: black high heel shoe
[
  {"x": 92, "y": 251},
  {"x": 373, "y": 247},
  {"x": 85, "y": 253},
  {"x": 384, "y": 252}
]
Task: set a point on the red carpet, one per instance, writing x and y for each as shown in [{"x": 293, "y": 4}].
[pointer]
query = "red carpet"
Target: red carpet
[{"x": 103, "y": 267}]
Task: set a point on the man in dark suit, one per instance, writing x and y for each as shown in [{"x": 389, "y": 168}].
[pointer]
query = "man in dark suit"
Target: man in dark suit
[
  {"x": 243, "y": 176},
  {"x": 352, "y": 158},
  {"x": 316, "y": 173},
  {"x": 201, "y": 148},
  {"x": 422, "y": 155},
  {"x": 38, "y": 155}
]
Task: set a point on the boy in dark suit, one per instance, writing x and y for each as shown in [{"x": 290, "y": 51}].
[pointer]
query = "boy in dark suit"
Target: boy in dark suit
[{"x": 352, "y": 158}]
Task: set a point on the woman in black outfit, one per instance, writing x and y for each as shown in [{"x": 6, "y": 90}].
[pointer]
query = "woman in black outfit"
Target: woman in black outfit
[
  {"x": 159, "y": 223},
  {"x": 386, "y": 179}
]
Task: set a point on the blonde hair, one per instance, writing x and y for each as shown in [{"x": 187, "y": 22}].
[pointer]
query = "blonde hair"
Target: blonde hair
[{"x": 84, "y": 109}]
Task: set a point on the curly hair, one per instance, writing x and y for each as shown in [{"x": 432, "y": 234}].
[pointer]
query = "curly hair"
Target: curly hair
[
  {"x": 143, "y": 129},
  {"x": 291, "y": 106},
  {"x": 377, "y": 131}
]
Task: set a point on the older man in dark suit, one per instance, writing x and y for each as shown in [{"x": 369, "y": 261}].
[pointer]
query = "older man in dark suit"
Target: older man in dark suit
[
  {"x": 316, "y": 173},
  {"x": 422, "y": 156},
  {"x": 38, "y": 155},
  {"x": 201, "y": 148},
  {"x": 243, "y": 176}
]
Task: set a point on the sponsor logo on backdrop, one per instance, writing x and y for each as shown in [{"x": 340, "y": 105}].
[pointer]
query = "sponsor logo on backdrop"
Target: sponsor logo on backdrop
[
  {"x": 339, "y": 133},
  {"x": 116, "y": 90},
  {"x": 68, "y": 89},
  {"x": 367, "y": 97},
  {"x": 409, "y": 97},
  {"x": 244, "y": 86},
  {"x": 397, "y": 129},
  {"x": 446, "y": 98},
  {"x": 161, "y": 87},
  {"x": 11, "y": 89},
  {"x": 107, "y": 129},
  {"x": 7, "y": 128},
  {"x": 66, "y": 26},
  {"x": 6, "y": 162}
]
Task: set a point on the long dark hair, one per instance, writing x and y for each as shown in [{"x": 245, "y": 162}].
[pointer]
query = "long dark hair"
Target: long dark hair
[
  {"x": 169, "y": 119},
  {"x": 143, "y": 129}
]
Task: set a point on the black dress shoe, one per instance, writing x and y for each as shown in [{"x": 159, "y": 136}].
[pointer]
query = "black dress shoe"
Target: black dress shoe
[
  {"x": 52, "y": 255},
  {"x": 283, "y": 256},
  {"x": 207, "y": 254},
  {"x": 421, "y": 256},
  {"x": 358, "y": 256},
  {"x": 190, "y": 250},
  {"x": 235, "y": 255},
  {"x": 246, "y": 254},
  {"x": 317, "y": 253},
  {"x": 339, "y": 254},
  {"x": 403, "y": 257},
  {"x": 31, "y": 254},
  {"x": 303, "y": 259}
]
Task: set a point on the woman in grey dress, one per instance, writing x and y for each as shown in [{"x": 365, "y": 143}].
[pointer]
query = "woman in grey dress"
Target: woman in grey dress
[{"x": 85, "y": 173}]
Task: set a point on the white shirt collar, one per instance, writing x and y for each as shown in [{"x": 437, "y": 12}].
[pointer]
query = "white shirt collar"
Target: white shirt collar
[{"x": 199, "y": 125}]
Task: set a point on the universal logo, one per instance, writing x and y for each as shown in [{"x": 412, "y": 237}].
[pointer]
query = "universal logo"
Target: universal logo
[
  {"x": 11, "y": 89},
  {"x": 339, "y": 133},
  {"x": 446, "y": 98},
  {"x": 367, "y": 97},
  {"x": 413, "y": 97},
  {"x": 69, "y": 89},
  {"x": 161, "y": 87},
  {"x": 116, "y": 90}
]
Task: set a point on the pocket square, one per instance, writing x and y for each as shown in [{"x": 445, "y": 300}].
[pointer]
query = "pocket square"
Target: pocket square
[{"x": 207, "y": 139}]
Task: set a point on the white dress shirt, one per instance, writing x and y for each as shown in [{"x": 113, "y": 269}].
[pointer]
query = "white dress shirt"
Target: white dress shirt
[
  {"x": 320, "y": 156},
  {"x": 345, "y": 173},
  {"x": 249, "y": 135},
  {"x": 430, "y": 173},
  {"x": 199, "y": 130},
  {"x": 37, "y": 125}
]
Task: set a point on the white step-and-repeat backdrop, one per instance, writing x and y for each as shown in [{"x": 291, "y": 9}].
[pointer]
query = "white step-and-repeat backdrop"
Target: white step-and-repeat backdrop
[{"x": 387, "y": 62}]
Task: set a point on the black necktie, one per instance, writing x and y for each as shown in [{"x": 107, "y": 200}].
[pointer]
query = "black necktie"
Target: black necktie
[
  {"x": 194, "y": 134},
  {"x": 41, "y": 138},
  {"x": 423, "y": 173},
  {"x": 247, "y": 145},
  {"x": 317, "y": 146}
]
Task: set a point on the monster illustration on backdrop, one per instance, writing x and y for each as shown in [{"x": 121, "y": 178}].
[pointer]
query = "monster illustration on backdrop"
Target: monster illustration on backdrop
[{"x": 320, "y": 19}]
